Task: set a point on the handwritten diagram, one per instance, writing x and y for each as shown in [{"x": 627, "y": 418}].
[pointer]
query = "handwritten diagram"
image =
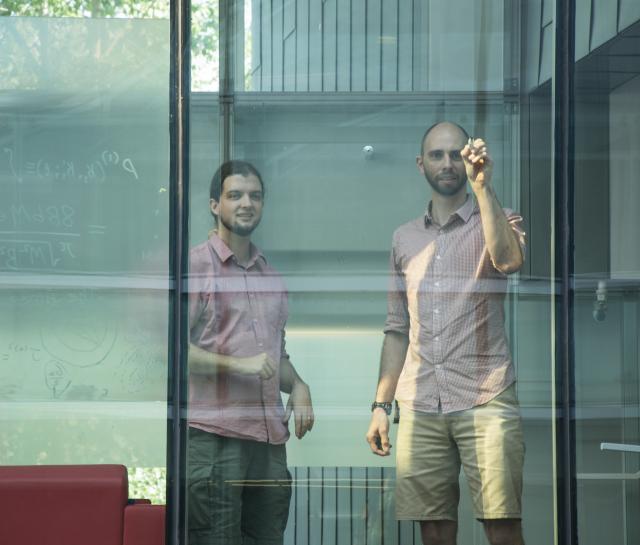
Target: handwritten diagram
[
  {"x": 79, "y": 339},
  {"x": 81, "y": 345}
]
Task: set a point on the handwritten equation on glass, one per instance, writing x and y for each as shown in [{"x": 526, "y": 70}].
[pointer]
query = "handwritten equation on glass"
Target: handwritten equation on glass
[
  {"x": 40, "y": 220},
  {"x": 98, "y": 170}
]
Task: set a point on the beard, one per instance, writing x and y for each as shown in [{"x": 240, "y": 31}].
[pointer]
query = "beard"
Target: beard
[
  {"x": 446, "y": 190},
  {"x": 240, "y": 230}
]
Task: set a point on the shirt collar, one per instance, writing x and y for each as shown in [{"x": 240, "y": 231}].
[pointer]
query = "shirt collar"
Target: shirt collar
[
  {"x": 464, "y": 212},
  {"x": 225, "y": 253}
]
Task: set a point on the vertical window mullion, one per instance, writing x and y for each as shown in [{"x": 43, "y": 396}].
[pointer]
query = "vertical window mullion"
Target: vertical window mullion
[
  {"x": 563, "y": 270},
  {"x": 180, "y": 73}
]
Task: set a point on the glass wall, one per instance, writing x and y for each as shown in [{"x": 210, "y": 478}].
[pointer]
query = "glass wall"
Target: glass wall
[
  {"x": 84, "y": 236},
  {"x": 328, "y": 103}
]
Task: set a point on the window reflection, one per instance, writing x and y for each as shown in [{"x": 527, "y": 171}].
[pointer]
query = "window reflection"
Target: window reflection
[{"x": 238, "y": 481}]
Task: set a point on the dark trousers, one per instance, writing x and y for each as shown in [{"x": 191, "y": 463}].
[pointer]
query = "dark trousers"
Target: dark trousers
[{"x": 238, "y": 491}]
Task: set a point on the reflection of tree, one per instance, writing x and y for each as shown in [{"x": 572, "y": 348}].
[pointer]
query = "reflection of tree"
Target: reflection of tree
[
  {"x": 204, "y": 45},
  {"x": 70, "y": 55},
  {"x": 204, "y": 23},
  {"x": 86, "y": 8}
]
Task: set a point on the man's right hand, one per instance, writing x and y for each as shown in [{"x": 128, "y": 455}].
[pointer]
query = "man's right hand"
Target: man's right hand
[
  {"x": 378, "y": 434},
  {"x": 262, "y": 365}
]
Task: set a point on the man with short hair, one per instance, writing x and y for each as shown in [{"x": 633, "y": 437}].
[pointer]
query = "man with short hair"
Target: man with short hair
[
  {"x": 445, "y": 354},
  {"x": 239, "y": 487}
]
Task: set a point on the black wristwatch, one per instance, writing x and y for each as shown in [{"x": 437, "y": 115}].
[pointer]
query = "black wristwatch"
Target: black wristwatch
[{"x": 386, "y": 405}]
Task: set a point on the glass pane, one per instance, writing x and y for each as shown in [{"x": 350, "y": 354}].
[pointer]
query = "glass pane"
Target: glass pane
[
  {"x": 607, "y": 266},
  {"x": 329, "y": 103},
  {"x": 84, "y": 186}
]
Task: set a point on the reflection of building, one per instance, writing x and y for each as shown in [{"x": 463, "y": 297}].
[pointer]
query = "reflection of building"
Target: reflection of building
[{"x": 325, "y": 80}]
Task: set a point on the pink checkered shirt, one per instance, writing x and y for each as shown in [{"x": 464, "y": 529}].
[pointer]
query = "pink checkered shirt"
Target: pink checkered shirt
[
  {"x": 448, "y": 297},
  {"x": 238, "y": 311}
]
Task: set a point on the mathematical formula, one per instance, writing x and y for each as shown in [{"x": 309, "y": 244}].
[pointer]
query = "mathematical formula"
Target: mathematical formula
[
  {"x": 33, "y": 254},
  {"x": 108, "y": 165},
  {"x": 18, "y": 216}
]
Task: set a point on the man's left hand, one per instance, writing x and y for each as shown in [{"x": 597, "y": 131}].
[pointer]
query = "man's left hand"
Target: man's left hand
[
  {"x": 478, "y": 164},
  {"x": 300, "y": 405}
]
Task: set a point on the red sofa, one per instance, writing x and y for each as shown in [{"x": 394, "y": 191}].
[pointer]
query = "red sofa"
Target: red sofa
[{"x": 75, "y": 505}]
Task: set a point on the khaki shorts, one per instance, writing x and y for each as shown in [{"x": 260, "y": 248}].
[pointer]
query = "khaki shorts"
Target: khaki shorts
[{"x": 485, "y": 440}]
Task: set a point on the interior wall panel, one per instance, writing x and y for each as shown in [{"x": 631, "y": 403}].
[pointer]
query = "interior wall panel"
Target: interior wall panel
[
  {"x": 531, "y": 57},
  {"x": 343, "y": 29},
  {"x": 389, "y": 46},
  {"x": 604, "y": 22},
  {"x": 583, "y": 28},
  {"x": 373, "y": 51},
  {"x": 315, "y": 45},
  {"x": 266, "y": 22},
  {"x": 277, "y": 25},
  {"x": 329, "y": 45},
  {"x": 629, "y": 13},
  {"x": 377, "y": 45},
  {"x": 358, "y": 45},
  {"x": 302, "y": 45}
]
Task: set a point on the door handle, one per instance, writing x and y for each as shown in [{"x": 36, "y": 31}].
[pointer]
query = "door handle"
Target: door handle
[{"x": 624, "y": 447}]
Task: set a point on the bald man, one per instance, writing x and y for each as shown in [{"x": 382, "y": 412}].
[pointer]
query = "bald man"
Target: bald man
[{"x": 445, "y": 356}]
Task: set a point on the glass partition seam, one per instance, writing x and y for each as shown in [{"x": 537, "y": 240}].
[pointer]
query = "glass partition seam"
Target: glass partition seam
[
  {"x": 178, "y": 260},
  {"x": 563, "y": 214}
]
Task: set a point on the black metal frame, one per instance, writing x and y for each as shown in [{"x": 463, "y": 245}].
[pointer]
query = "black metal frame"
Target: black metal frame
[
  {"x": 563, "y": 273},
  {"x": 178, "y": 267}
]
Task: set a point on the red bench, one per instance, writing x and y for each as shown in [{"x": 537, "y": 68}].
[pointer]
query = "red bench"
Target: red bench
[{"x": 75, "y": 505}]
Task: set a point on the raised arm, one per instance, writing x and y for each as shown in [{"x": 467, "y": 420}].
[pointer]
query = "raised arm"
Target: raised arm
[{"x": 501, "y": 239}]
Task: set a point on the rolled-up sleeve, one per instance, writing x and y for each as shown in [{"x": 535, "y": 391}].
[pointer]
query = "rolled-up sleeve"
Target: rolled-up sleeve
[
  {"x": 197, "y": 286},
  {"x": 397, "y": 309},
  {"x": 517, "y": 224}
]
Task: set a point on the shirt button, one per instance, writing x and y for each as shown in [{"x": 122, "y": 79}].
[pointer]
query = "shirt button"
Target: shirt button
[
  {"x": 436, "y": 284},
  {"x": 438, "y": 256},
  {"x": 436, "y": 338},
  {"x": 438, "y": 366},
  {"x": 436, "y": 311}
]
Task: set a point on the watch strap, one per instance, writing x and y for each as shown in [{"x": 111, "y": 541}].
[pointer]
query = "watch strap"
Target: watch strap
[{"x": 386, "y": 405}]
